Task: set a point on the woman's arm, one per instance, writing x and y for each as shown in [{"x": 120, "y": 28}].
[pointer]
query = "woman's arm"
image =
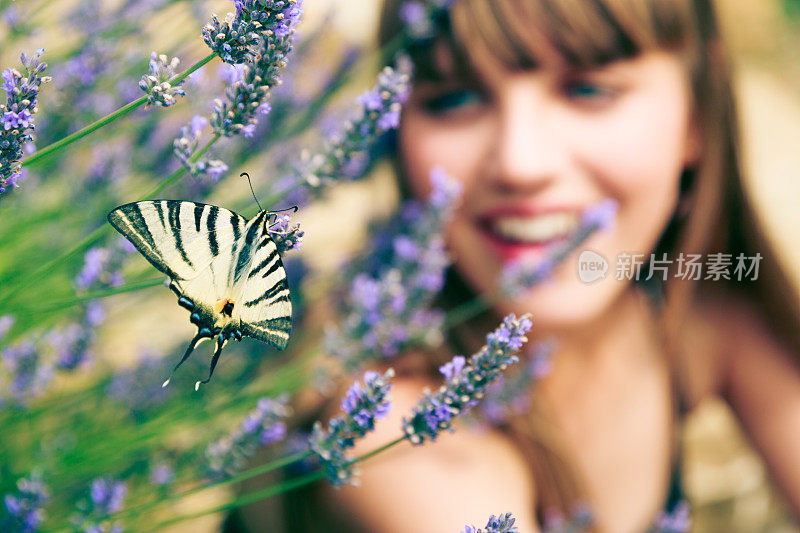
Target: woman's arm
[
  {"x": 460, "y": 479},
  {"x": 762, "y": 385}
]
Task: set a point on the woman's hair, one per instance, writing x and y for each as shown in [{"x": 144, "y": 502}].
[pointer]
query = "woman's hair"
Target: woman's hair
[{"x": 714, "y": 213}]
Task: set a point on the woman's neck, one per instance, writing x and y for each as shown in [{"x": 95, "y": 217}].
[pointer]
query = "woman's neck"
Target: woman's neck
[{"x": 618, "y": 338}]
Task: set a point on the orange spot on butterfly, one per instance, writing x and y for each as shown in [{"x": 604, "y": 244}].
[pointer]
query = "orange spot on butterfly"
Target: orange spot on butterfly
[{"x": 225, "y": 307}]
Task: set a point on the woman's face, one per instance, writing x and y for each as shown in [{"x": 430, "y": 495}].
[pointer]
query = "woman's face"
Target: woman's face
[{"x": 534, "y": 148}]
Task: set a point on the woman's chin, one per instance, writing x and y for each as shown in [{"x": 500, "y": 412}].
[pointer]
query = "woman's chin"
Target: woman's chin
[{"x": 559, "y": 306}]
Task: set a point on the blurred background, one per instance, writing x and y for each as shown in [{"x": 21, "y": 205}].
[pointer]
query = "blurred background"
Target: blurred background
[{"x": 96, "y": 59}]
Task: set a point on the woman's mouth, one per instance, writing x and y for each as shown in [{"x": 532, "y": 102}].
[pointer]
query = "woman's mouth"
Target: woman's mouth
[{"x": 515, "y": 237}]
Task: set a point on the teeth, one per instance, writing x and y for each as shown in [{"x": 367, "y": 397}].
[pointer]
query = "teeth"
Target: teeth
[{"x": 536, "y": 229}]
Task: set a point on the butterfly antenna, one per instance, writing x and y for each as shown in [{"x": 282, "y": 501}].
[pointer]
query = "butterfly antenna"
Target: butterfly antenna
[
  {"x": 293, "y": 208},
  {"x": 186, "y": 355},
  {"x": 251, "y": 189},
  {"x": 214, "y": 359}
]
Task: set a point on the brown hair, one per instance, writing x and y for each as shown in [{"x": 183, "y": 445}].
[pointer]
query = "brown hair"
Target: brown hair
[{"x": 714, "y": 215}]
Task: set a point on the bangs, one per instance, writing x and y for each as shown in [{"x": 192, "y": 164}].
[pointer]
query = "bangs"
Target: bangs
[{"x": 527, "y": 34}]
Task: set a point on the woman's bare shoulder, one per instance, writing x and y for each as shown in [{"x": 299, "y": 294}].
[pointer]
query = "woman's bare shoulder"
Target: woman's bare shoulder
[
  {"x": 722, "y": 330},
  {"x": 460, "y": 478}
]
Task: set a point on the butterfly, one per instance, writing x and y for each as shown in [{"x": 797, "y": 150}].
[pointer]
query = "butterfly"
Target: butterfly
[{"x": 225, "y": 270}]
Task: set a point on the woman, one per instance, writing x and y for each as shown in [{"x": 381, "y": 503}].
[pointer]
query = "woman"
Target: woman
[{"x": 542, "y": 108}]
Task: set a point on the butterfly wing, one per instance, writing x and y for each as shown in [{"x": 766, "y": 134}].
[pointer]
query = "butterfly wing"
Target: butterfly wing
[
  {"x": 266, "y": 310},
  {"x": 180, "y": 239}
]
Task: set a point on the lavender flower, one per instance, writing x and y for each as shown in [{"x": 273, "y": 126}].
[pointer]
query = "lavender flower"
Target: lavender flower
[
  {"x": 246, "y": 97},
  {"x": 102, "y": 266},
  {"x": 23, "y": 509},
  {"x": 466, "y": 381},
  {"x": 510, "y": 394},
  {"x": 82, "y": 70},
  {"x": 521, "y": 276},
  {"x": 16, "y": 115},
  {"x": 102, "y": 269},
  {"x": 14, "y": 20},
  {"x": 26, "y": 371},
  {"x": 106, "y": 496},
  {"x": 496, "y": 524},
  {"x": 139, "y": 388},
  {"x": 677, "y": 521},
  {"x": 72, "y": 343},
  {"x": 421, "y": 17},
  {"x": 264, "y": 425},
  {"x": 378, "y": 112},
  {"x": 156, "y": 82},
  {"x": 235, "y": 38},
  {"x": 161, "y": 475},
  {"x": 362, "y": 406},
  {"x": 185, "y": 145},
  {"x": 387, "y": 308},
  {"x": 285, "y": 237}
]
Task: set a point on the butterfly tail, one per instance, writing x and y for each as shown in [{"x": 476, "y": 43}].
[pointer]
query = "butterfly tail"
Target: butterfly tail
[
  {"x": 201, "y": 334},
  {"x": 214, "y": 359}
]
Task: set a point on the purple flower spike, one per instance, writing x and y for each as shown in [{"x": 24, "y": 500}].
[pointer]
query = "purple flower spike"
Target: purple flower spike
[
  {"x": 156, "y": 82},
  {"x": 16, "y": 116},
  {"x": 345, "y": 153},
  {"x": 263, "y": 426},
  {"x": 388, "y": 305},
  {"x": 258, "y": 40},
  {"x": 519, "y": 277},
  {"x": 600, "y": 215},
  {"x": 162, "y": 475},
  {"x": 467, "y": 381},
  {"x": 106, "y": 496},
  {"x": 677, "y": 521},
  {"x": 238, "y": 38},
  {"x": 286, "y": 236},
  {"x": 24, "y": 508},
  {"x": 28, "y": 372},
  {"x": 496, "y": 524},
  {"x": 362, "y": 406}
]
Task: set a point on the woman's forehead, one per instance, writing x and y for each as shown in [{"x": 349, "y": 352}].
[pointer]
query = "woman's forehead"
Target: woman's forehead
[
  {"x": 487, "y": 36},
  {"x": 482, "y": 63}
]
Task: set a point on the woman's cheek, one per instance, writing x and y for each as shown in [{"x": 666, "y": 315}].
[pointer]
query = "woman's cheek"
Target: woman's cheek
[
  {"x": 426, "y": 143},
  {"x": 638, "y": 162}
]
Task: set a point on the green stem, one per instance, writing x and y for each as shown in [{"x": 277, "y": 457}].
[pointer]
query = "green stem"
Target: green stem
[
  {"x": 381, "y": 56},
  {"x": 69, "y": 302},
  {"x": 262, "y": 469},
  {"x": 273, "y": 490},
  {"x": 469, "y": 309},
  {"x": 178, "y": 171},
  {"x": 96, "y": 125},
  {"x": 37, "y": 274},
  {"x": 93, "y": 237},
  {"x": 376, "y": 451},
  {"x": 285, "y": 486}
]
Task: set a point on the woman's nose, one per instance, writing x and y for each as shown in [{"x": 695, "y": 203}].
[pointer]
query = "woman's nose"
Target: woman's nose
[{"x": 528, "y": 150}]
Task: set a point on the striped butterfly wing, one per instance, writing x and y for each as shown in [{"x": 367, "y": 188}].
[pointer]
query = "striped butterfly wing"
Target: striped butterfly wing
[
  {"x": 266, "y": 310},
  {"x": 181, "y": 239}
]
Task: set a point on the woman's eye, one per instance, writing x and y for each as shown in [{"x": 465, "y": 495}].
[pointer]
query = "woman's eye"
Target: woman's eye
[
  {"x": 588, "y": 91},
  {"x": 452, "y": 101}
]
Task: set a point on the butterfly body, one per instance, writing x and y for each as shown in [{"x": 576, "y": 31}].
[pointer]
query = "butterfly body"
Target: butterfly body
[{"x": 224, "y": 269}]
